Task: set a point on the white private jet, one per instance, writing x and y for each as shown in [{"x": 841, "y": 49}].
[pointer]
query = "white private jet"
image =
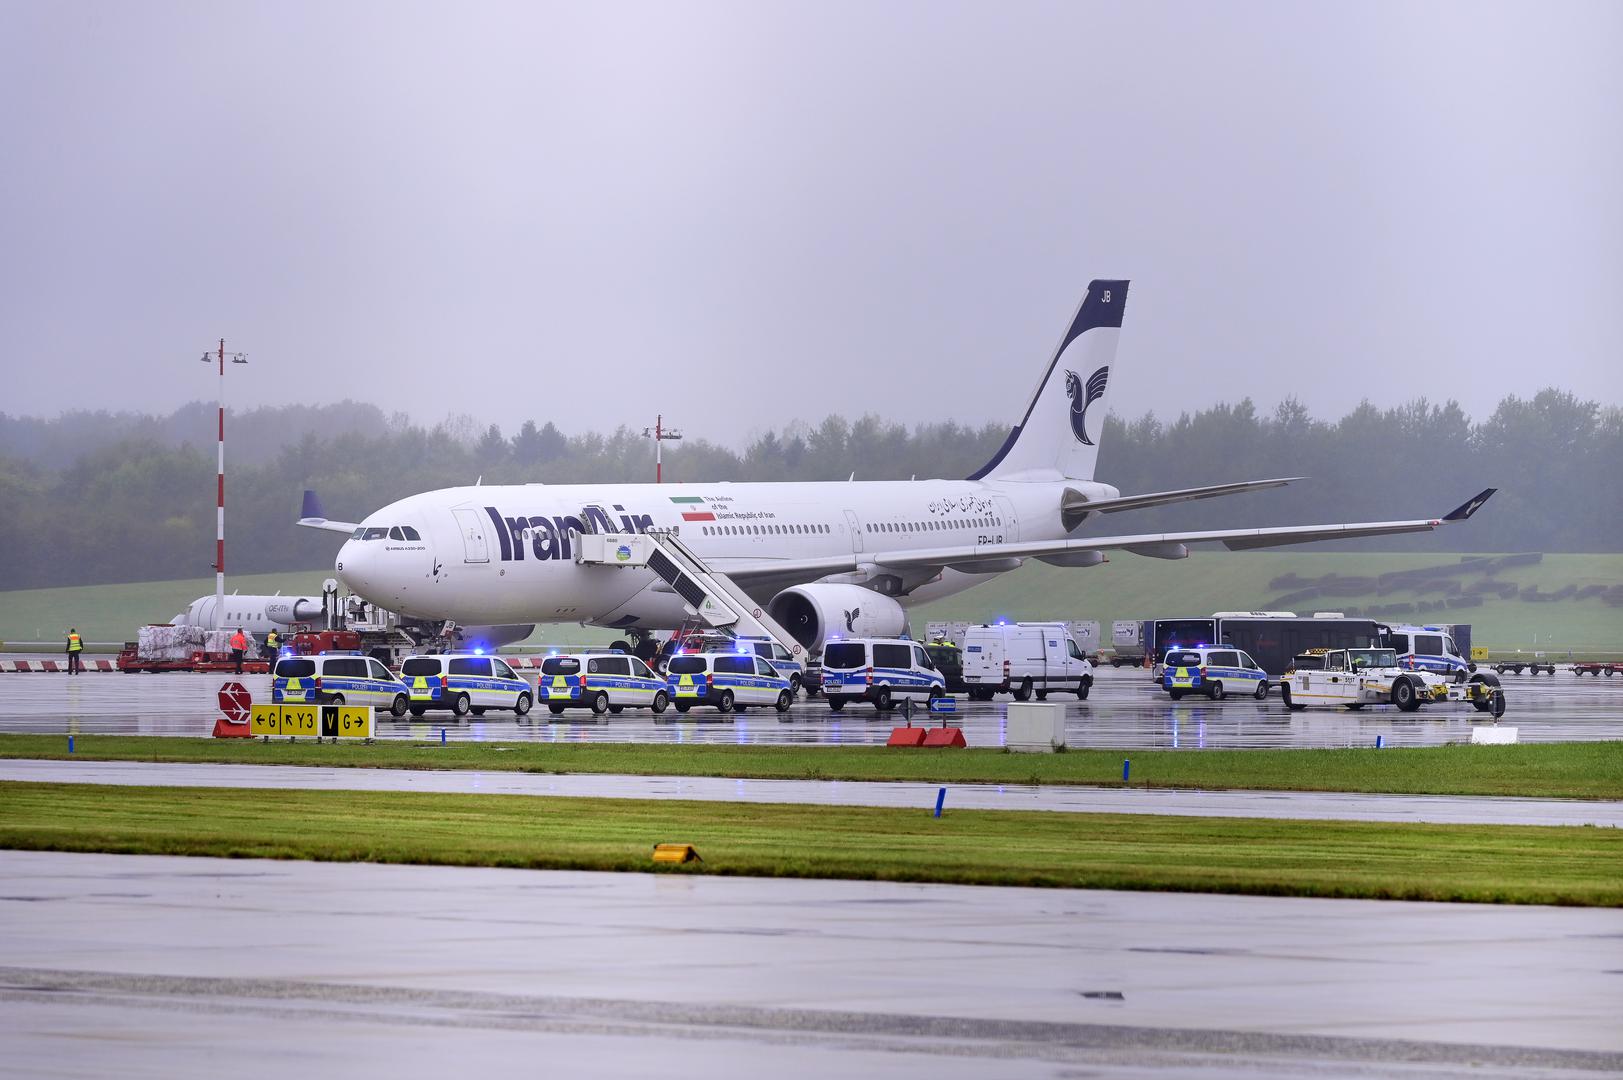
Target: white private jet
[{"x": 821, "y": 558}]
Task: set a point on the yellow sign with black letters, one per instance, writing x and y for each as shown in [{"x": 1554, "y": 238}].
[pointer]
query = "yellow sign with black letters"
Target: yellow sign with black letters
[{"x": 346, "y": 721}]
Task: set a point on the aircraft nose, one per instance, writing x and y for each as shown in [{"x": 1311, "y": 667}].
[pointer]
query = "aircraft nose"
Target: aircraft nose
[{"x": 354, "y": 568}]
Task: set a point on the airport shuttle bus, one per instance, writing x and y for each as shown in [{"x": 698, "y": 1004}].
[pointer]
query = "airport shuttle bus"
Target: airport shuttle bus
[{"x": 1270, "y": 639}]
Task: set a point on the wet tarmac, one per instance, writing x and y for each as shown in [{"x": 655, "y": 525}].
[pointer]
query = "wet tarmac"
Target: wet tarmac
[
  {"x": 1125, "y": 711},
  {"x": 143, "y": 966},
  {"x": 1291, "y": 805}
]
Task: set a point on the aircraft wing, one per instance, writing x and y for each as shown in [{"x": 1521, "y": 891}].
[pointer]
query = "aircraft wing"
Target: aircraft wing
[
  {"x": 311, "y": 516},
  {"x": 767, "y": 573},
  {"x": 1163, "y": 498}
]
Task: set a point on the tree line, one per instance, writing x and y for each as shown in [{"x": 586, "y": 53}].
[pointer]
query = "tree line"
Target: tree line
[{"x": 104, "y": 497}]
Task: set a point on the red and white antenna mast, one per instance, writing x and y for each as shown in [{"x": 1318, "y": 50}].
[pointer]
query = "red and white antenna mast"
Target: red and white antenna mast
[
  {"x": 660, "y": 434},
  {"x": 219, "y": 509}
]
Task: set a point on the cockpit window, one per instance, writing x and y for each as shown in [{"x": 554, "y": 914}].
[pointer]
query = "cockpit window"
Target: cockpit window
[
  {"x": 396, "y": 534},
  {"x": 357, "y": 534},
  {"x": 375, "y": 534},
  {"x": 411, "y": 533}
]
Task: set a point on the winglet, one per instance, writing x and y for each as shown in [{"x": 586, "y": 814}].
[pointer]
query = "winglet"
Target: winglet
[
  {"x": 1464, "y": 511},
  {"x": 312, "y": 505}
]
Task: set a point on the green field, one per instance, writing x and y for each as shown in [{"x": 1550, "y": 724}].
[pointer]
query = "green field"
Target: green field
[
  {"x": 1128, "y": 587},
  {"x": 1592, "y": 770},
  {"x": 1576, "y": 866}
]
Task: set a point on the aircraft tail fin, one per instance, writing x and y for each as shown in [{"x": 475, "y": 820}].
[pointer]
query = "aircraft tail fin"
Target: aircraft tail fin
[{"x": 1058, "y": 438}]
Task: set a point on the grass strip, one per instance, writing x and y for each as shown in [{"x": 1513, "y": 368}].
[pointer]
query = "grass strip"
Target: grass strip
[
  {"x": 1533, "y": 865},
  {"x": 1591, "y": 770}
]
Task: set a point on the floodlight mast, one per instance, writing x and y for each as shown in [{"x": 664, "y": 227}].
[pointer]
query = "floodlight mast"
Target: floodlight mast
[
  {"x": 660, "y": 434},
  {"x": 219, "y": 506}
]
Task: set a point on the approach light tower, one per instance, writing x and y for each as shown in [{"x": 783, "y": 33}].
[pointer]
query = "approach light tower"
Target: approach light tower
[
  {"x": 660, "y": 434},
  {"x": 219, "y": 508}
]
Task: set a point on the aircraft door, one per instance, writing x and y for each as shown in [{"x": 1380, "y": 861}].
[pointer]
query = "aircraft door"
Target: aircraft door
[
  {"x": 1009, "y": 532},
  {"x": 855, "y": 526},
  {"x": 475, "y": 549}
]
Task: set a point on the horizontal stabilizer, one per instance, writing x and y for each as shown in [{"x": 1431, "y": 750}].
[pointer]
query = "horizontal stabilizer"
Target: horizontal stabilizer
[
  {"x": 312, "y": 516},
  {"x": 1074, "y": 511}
]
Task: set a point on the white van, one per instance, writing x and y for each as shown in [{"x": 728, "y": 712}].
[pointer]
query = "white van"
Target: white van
[
  {"x": 602, "y": 682},
  {"x": 1024, "y": 658},
  {"x": 1427, "y": 648},
  {"x": 464, "y": 683},
  {"x": 882, "y": 671}
]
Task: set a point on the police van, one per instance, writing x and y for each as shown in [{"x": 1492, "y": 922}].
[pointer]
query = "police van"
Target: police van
[
  {"x": 882, "y": 671},
  {"x": 727, "y": 680},
  {"x": 337, "y": 679},
  {"x": 464, "y": 683},
  {"x": 607, "y": 682},
  {"x": 1023, "y": 659},
  {"x": 1214, "y": 670},
  {"x": 1427, "y": 648},
  {"x": 781, "y": 659}
]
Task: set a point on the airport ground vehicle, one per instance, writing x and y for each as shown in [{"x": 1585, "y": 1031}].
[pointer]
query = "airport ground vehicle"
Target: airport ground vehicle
[
  {"x": 949, "y": 660},
  {"x": 881, "y": 671},
  {"x": 338, "y": 679},
  {"x": 1271, "y": 638},
  {"x": 727, "y": 680},
  {"x": 1516, "y": 667},
  {"x": 606, "y": 682},
  {"x": 464, "y": 683},
  {"x": 1214, "y": 671},
  {"x": 786, "y": 664},
  {"x": 1353, "y": 678},
  {"x": 1596, "y": 668},
  {"x": 1022, "y": 659},
  {"x": 1127, "y": 641}
]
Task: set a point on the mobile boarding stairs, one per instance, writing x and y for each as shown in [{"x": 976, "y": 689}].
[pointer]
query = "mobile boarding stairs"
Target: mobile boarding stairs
[{"x": 709, "y": 594}]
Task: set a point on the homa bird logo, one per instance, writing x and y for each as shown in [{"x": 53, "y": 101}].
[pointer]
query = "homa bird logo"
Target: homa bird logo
[
  {"x": 1080, "y": 400},
  {"x": 851, "y": 620}
]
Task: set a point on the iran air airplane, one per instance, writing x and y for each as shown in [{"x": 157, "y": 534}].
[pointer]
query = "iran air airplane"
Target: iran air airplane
[{"x": 821, "y": 558}]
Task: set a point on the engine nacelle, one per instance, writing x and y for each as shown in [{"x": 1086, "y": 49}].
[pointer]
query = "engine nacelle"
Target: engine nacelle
[{"x": 812, "y": 613}]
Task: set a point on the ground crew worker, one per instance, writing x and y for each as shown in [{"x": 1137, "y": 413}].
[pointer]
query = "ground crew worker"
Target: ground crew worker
[
  {"x": 76, "y": 646},
  {"x": 272, "y": 641},
  {"x": 239, "y": 645}
]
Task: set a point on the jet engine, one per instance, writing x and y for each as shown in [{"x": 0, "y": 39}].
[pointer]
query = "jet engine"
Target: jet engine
[{"x": 814, "y": 613}]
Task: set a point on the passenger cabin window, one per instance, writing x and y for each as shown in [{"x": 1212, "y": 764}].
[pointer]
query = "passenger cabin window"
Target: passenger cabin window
[
  {"x": 735, "y": 665},
  {"x": 608, "y": 665},
  {"x": 347, "y": 667},
  {"x": 891, "y": 656},
  {"x": 470, "y": 665},
  {"x": 1225, "y": 659},
  {"x": 560, "y": 665},
  {"x": 1428, "y": 644}
]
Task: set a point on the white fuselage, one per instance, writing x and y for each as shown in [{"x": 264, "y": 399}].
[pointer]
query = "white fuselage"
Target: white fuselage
[{"x": 504, "y": 553}]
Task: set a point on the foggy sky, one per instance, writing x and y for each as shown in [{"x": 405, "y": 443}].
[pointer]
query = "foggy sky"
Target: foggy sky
[{"x": 743, "y": 214}]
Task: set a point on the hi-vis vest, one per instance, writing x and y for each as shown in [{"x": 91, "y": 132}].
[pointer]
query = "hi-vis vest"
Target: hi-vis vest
[
  {"x": 271, "y": 640},
  {"x": 74, "y": 644}
]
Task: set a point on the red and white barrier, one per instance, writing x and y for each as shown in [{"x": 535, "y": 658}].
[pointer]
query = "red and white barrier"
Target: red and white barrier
[{"x": 56, "y": 665}]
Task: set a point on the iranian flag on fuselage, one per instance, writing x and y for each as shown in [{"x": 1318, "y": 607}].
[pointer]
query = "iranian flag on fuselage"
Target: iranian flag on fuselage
[{"x": 697, "y": 511}]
